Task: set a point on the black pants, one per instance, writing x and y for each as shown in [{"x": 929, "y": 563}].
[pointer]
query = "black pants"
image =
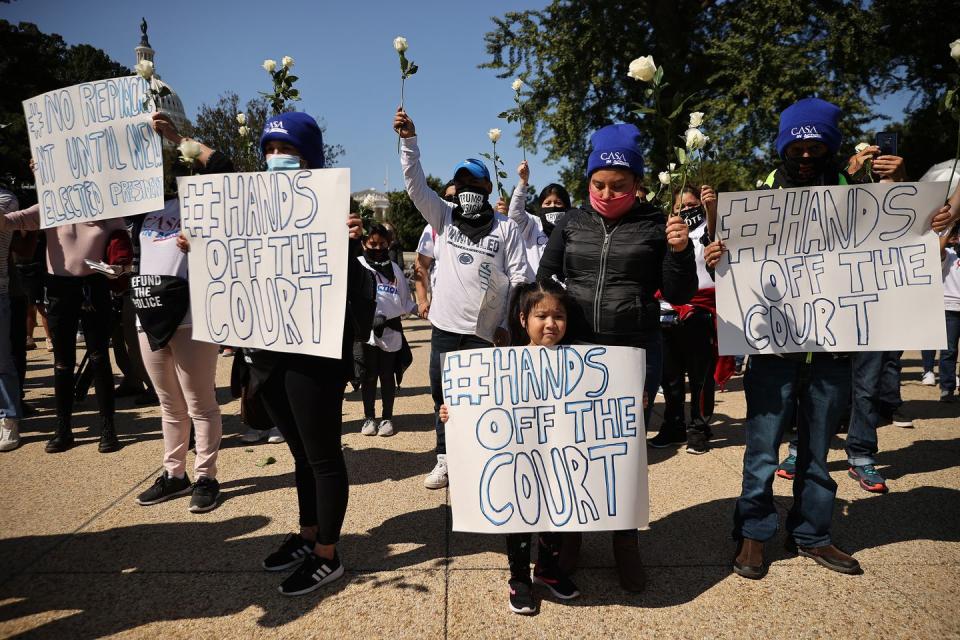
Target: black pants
[
  {"x": 441, "y": 343},
  {"x": 304, "y": 397},
  {"x": 72, "y": 301},
  {"x": 378, "y": 365},
  {"x": 688, "y": 353},
  {"x": 518, "y": 553}
]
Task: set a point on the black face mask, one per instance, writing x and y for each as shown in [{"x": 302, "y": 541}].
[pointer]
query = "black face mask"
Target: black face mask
[
  {"x": 793, "y": 166},
  {"x": 379, "y": 260},
  {"x": 472, "y": 202},
  {"x": 549, "y": 217},
  {"x": 473, "y": 216}
]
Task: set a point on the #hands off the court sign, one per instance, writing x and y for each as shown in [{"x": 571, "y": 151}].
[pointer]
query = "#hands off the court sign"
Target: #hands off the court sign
[
  {"x": 96, "y": 155},
  {"x": 853, "y": 268},
  {"x": 546, "y": 439},
  {"x": 268, "y": 258}
]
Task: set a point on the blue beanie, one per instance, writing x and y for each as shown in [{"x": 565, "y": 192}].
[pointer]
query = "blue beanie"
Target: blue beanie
[
  {"x": 300, "y": 130},
  {"x": 616, "y": 146},
  {"x": 810, "y": 119}
]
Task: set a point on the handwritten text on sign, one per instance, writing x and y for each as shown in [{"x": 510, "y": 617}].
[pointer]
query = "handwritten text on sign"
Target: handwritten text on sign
[
  {"x": 830, "y": 269},
  {"x": 546, "y": 439},
  {"x": 96, "y": 155},
  {"x": 268, "y": 258}
]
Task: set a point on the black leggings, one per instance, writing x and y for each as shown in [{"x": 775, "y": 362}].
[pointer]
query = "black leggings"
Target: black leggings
[
  {"x": 688, "y": 353},
  {"x": 378, "y": 364},
  {"x": 518, "y": 553},
  {"x": 72, "y": 301},
  {"x": 304, "y": 397}
]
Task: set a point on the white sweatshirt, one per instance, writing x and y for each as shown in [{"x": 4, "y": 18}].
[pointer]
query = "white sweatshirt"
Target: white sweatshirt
[
  {"x": 462, "y": 267},
  {"x": 531, "y": 230}
]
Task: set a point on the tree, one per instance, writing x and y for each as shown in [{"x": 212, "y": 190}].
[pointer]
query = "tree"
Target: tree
[
  {"x": 405, "y": 217},
  {"x": 31, "y": 63},
  {"x": 748, "y": 59},
  {"x": 218, "y": 128}
]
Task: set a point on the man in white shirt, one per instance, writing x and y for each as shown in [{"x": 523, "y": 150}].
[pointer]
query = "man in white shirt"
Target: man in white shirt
[{"x": 471, "y": 245}]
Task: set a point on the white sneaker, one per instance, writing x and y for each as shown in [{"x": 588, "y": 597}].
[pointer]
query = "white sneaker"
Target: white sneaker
[
  {"x": 385, "y": 429},
  {"x": 369, "y": 427},
  {"x": 437, "y": 479},
  {"x": 275, "y": 436},
  {"x": 252, "y": 435},
  {"x": 9, "y": 434},
  {"x": 929, "y": 379}
]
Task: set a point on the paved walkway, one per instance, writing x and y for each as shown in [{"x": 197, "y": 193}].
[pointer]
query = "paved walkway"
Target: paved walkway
[{"x": 79, "y": 558}]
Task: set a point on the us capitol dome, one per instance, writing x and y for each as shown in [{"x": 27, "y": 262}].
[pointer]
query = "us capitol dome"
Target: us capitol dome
[{"x": 169, "y": 104}]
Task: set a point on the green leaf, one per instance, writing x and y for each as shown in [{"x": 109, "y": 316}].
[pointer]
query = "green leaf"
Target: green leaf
[
  {"x": 645, "y": 111},
  {"x": 292, "y": 79},
  {"x": 403, "y": 64},
  {"x": 412, "y": 70},
  {"x": 504, "y": 114},
  {"x": 485, "y": 155},
  {"x": 658, "y": 76},
  {"x": 294, "y": 94},
  {"x": 502, "y": 174}
]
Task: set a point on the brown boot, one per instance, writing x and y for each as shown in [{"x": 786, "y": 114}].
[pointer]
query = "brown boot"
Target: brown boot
[
  {"x": 626, "y": 552},
  {"x": 829, "y": 557},
  {"x": 748, "y": 561},
  {"x": 570, "y": 551}
]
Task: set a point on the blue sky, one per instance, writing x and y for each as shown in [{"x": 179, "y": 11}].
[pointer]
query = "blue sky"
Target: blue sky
[{"x": 344, "y": 56}]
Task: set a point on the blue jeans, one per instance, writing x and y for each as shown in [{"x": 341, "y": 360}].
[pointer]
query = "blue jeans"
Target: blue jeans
[
  {"x": 929, "y": 358},
  {"x": 442, "y": 342},
  {"x": 774, "y": 386},
  {"x": 867, "y": 369},
  {"x": 9, "y": 378},
  {"x": 948, "y": 357}
]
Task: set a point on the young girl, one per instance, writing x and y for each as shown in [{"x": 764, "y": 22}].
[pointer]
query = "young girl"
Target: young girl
[
  {"x": 538, "y": 318},
  {"x": 381, "y": 351}
]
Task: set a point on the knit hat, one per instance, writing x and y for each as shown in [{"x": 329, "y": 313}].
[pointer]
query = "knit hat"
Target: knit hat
[
  {"x": 616, "y": 146},
  {"x": 810, "y": 119},
  {"x": 300, "y": 130}
]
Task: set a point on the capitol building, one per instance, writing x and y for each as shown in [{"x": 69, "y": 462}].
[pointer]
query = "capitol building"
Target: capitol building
[{"x": 169, "y": 104}]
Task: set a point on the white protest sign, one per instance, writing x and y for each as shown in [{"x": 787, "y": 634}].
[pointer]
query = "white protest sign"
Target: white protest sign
[
  {"x": 268, "y": 258},
  {"x": 96, "y": 155},
  {"x": 852, "y": 268},
  {"x": 546, "y": 439}
]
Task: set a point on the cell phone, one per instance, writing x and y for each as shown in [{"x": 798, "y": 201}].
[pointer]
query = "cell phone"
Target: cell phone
[{"x": 887, "y": 141}]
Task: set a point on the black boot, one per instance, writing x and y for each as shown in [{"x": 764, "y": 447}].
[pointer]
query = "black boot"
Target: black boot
[
  {"x": 62, "y": 439},
  {"x": 108, "y": 437}
]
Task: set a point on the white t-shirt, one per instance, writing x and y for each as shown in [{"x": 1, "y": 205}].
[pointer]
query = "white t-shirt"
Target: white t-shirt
[
  {"x": 425, "y": 248},
  {"x": 951, "y": 280},
  {"x": 531, "y": 230},
  {"x": 159, "y": 255},
  {"x": 463, "y": 267},
  {"x": 393, "y": 301}
]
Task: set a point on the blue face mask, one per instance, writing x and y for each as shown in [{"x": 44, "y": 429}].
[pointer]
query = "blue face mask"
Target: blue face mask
[{"x": 282, "y": 162}]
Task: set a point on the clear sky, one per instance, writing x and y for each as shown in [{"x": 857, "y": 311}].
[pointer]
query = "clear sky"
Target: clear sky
[{"x": 349, "y": 72}]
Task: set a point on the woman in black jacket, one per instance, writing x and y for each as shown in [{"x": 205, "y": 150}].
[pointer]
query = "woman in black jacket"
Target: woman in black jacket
[{"x": 613, "y": 255}]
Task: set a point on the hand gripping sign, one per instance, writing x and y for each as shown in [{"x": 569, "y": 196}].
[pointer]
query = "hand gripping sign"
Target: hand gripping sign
[{"x": 546, "y": 439}]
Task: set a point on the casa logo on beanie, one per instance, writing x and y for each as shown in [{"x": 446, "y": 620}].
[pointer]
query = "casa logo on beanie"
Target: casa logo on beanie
[
  {"x": 274, "y": 126},
  {"x": 614, "y": 157},
  {"x": 805, "y": 131}
]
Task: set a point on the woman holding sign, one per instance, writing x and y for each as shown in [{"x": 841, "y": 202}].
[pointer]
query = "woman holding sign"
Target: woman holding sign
[
  {"x": 183, "y": 370},
  {"x": 613, "y": 255}
]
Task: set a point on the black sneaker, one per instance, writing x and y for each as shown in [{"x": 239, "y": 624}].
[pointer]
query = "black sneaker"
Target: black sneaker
[
  {"x": 521, "y": 598},
  {"x": 697, "y": 442},
  {"x": 206, "y": 491},
  {"x": 164, "y": 488},
  {"x": 311, "y": 575},
  {"x": 559, "y": 584},
  {"x": 668, "y": 437},
  {"x": 108, "y": 437},
  {"x": 291, "y": 553}
]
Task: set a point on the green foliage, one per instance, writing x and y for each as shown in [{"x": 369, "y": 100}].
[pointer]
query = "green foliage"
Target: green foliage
[
  {"x": 404, "y": 216},
  {"x": 283, "y": 91},
  {"x": 31, "y": 63}
]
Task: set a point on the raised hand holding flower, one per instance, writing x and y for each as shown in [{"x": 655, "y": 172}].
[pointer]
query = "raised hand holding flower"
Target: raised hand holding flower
[
  {"x": 283, "y": 90},
  {"x": 407, "y": 69}
]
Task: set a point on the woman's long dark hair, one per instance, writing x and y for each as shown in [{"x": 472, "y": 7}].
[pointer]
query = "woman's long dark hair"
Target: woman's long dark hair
[
  {"x": 525, "y": 298},
  {"x": 556, "y": 190}
]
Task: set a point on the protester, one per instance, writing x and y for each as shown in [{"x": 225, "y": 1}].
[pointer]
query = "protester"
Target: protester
[
  {"x": 383, "y": 352},
  {"x": 538, "y": 318},
  {"x": 949, "y": 250},
  {"x": 613, "y": 255},
  {"x": 76, "y": 295},
  {"x": 32, "y": 266},
  {"x": 183, "y": 370},
  {"x": 535, "y": 228},
  {"x": 9, "y": 378},
  {"x": 395, "y": 251},
  {"x": 471, "y": 242},
  {"x": 423, "y": 270}
]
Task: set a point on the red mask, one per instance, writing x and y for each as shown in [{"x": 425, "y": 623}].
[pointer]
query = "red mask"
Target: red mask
[{"x": 614, "y": 207}]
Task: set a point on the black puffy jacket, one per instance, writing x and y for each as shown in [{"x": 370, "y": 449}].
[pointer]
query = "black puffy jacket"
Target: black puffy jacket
[{"x": 612, "y": 272}]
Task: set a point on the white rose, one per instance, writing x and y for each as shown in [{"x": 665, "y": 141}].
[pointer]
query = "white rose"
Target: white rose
[
  {"x": 955, "y": 50},
  {"x": 189, "y": 149},
  {"x": 241, "y": 118},
  {"x": 244, "y": 131},
  {"x": 695, "y": 139},
  {"x": 672, "y": 166},
  {"x": 368, "y": 202},
  {"x": 642, "y": 69},
  {"x": 287, "y": 62},
  {"x": 269, "y": 65},
  {"x": 400, "y": 44},
  {"x": 144, "y": 69},
  {"x": 696, "y": 118},
  {"x": 494, "y": 135},
  {"x": 664, "y": 177},
  {"x": 517, "y": 85},
  {"x": 861, "y": 147},
  {"x": 759, "y": 183}
]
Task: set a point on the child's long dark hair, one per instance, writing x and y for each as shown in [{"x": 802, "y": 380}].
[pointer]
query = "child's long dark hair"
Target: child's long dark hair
[{"x": 525, "y": 298}]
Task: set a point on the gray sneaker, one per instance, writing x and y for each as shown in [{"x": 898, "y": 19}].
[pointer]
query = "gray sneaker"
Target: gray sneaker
[
  {"x": 9, "y": 434},
  {"x": 385, "y": 429},
  {"x": 369, "y": 427}
]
